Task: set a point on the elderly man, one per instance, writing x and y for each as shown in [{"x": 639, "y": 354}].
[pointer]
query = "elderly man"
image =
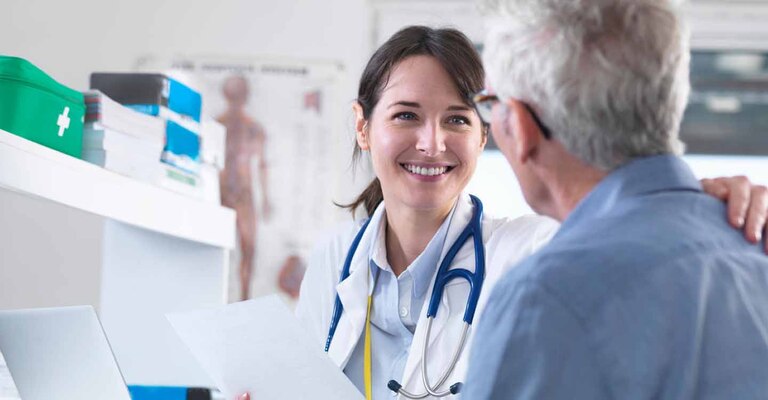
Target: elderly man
[{"x": 645, "y": 292}]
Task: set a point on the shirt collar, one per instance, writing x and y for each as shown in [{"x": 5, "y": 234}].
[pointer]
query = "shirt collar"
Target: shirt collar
[{"x": 638, "y": 177}]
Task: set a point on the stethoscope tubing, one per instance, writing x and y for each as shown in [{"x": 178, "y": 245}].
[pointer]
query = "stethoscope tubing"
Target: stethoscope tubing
[
  {"x": 338, "y": 308},
  {"x": 444, "y": 275}
]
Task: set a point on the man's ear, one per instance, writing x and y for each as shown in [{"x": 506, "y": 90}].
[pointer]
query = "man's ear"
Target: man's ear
[
  {"x": 361, "y": 127},
  {"x": 526, "y": 132},
  {"x": 484, "y": 140}
]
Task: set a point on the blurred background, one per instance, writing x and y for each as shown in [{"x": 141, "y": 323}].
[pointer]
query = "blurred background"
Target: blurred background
[{"x": 300, "y": 61}]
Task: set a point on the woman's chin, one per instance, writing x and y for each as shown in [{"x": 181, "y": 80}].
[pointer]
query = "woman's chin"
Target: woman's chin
[{"x": 431, "y": 203}]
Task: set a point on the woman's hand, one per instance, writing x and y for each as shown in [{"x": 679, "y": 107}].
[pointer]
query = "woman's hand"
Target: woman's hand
[
  {"x": 244, "y": 396},
  {"x": 747, "y": 204}
]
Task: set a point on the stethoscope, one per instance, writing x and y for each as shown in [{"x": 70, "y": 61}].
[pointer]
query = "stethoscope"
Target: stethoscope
[{"x": 444, "y": 275}]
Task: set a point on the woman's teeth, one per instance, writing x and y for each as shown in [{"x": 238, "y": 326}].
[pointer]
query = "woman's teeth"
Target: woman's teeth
[{"x": 425, "y": 171}]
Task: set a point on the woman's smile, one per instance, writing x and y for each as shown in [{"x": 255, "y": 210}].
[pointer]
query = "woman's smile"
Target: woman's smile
[{"x": 427, "y": 172}]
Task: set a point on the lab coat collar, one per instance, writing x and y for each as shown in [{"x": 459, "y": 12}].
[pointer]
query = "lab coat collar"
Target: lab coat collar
[
  {"x": 353, "y": 293},
  {"x": 378, "y": 253},
  {"x": 411, "y": 376}
]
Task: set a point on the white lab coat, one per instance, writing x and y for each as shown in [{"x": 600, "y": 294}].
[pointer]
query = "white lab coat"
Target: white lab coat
[{"x": 507, "y": 241}]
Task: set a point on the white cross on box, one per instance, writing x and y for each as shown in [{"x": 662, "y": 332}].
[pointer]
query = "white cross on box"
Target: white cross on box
[{"x": 63, "y": 121}]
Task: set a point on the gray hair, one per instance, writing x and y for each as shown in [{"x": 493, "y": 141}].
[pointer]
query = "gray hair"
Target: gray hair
[{"x": 608, "y": 77}]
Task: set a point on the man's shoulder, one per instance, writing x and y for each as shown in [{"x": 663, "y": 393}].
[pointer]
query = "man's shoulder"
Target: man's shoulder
[{"x": 604, "y": 257}]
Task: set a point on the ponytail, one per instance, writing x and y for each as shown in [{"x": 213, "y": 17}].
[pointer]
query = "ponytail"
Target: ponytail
[{"x": 370, "y": 198}]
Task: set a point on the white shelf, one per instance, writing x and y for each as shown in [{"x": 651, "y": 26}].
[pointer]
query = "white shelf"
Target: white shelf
[{"x": 36, "y": 170}]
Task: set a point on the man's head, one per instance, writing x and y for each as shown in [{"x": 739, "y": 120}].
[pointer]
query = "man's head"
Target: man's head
[{"x": 607, "y": 78}]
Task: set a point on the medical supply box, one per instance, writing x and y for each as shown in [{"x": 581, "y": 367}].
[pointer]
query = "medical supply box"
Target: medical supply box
[
  {"x": 182, "y": 148},
  {"x": 36, "y": 107},
  {"x": 149, "y": 90},
  {"x": 140, "y": 392}
]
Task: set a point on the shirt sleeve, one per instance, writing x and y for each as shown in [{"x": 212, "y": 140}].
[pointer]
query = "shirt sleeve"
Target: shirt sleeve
[{"x": 529, "y": 346}]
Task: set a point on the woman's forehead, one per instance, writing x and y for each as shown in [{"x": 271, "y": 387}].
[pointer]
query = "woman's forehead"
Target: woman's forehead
[{"x": 420, "y": 79}]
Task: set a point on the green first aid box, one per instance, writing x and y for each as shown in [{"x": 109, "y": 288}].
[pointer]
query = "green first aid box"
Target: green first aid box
[{"x": 36, "y": 107}]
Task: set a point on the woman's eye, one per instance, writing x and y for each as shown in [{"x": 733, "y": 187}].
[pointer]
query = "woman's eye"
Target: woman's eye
[
  {"x": 458, "y": 120},
  {"x": 405, "y": 116}
]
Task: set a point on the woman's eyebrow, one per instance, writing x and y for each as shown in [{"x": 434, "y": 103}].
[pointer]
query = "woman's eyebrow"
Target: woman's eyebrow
[
  {"x": 459, "y": 108},
  {"x": 412, "y": 104}
]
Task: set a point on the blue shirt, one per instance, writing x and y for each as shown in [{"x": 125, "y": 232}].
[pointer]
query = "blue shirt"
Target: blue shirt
[
  {"x": 644, "y": 293},
  {"x": 397, "y": 304}
]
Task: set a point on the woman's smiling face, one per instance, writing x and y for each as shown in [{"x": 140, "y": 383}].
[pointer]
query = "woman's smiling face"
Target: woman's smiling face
[{"x": 423, "y": 139}]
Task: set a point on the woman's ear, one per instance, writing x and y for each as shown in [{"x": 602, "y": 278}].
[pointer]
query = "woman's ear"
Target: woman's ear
[{"x": 361, "y": 127}]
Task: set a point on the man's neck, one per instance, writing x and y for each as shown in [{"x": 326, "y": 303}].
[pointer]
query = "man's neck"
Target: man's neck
[
  {"x": 569, "y": 181},
  {"x": 568, "y": 196},
  {"x": 408, "y": 233}
]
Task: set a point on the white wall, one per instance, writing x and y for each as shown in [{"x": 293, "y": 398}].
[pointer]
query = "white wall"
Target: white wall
[
  {"x": 43, "y": 245},
  {"x": 69, "y": 39}
]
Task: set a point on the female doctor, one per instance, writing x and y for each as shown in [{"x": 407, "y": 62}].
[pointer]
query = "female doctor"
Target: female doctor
[{"x": 416, "y": 119}]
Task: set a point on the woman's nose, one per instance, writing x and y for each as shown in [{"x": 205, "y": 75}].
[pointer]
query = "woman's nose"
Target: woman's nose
[{"x": 431, "y": 141}]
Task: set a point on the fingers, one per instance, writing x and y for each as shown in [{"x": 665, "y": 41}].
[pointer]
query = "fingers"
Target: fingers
[
  {"x": 757, "y": 214},
  {"x": 747, "y": 204},
  {"x": 715, "y": 187},
  {"x": 244, "y": 396},
  {"x": 739, "y": 192}
]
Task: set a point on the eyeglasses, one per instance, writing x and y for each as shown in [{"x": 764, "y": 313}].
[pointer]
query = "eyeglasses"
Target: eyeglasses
[{"x": 484, "y": 105}]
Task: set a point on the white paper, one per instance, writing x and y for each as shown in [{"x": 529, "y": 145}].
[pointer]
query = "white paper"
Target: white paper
[
  {"x": 258, "y": 346},
  {"x": 8, "y": 389}
]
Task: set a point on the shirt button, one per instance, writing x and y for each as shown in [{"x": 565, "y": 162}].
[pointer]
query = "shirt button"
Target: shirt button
[{"x": 403, "y": 312}]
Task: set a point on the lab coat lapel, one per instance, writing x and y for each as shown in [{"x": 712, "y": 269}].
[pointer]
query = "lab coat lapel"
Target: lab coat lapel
[
  {"x": 450, "y": 312},
  {"x": 353, "y": 293}
]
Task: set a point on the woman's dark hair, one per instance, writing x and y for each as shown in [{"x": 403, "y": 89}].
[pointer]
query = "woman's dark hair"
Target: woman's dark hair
[{"x": 451, "y": 48}]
